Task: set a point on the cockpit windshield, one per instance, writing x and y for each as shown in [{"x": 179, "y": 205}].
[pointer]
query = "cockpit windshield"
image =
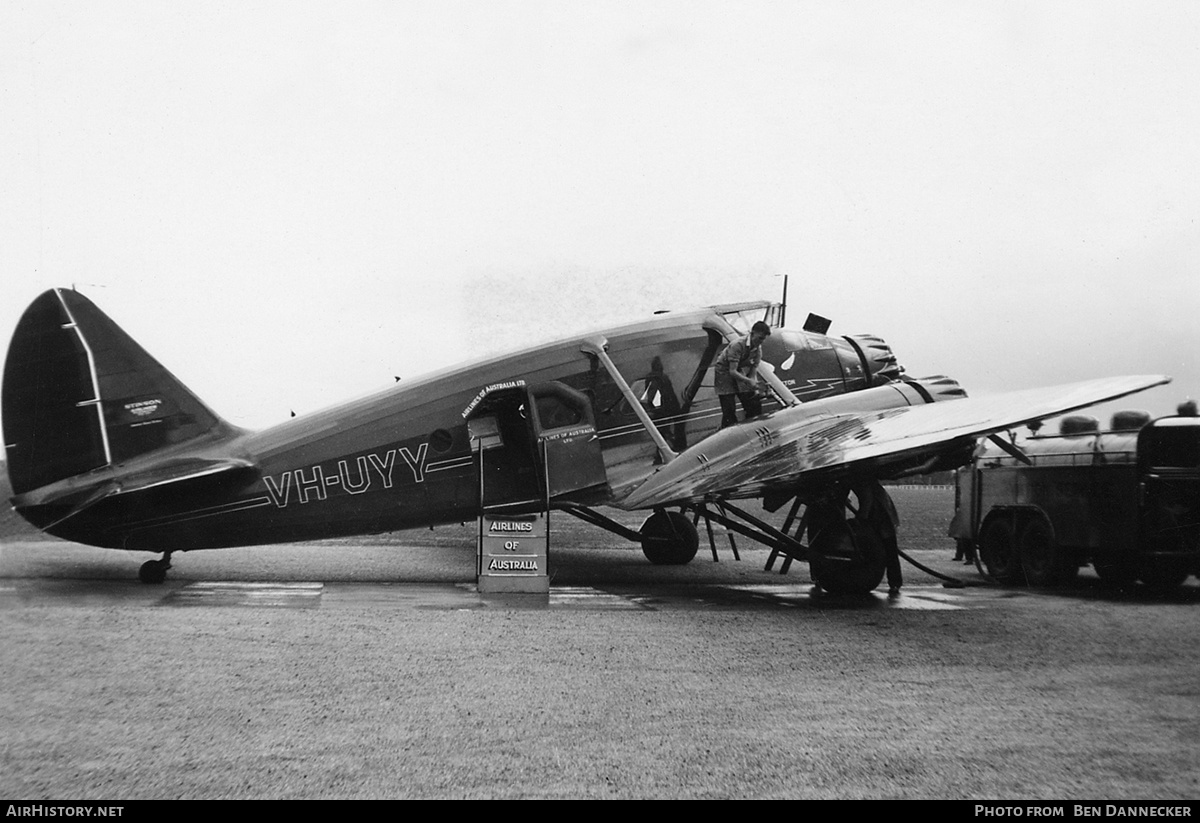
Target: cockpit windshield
[{"x": 744, "y": 316}]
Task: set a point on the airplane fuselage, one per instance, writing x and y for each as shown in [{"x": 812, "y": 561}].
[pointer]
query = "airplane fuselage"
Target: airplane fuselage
[{"x": 562, "y": 426}]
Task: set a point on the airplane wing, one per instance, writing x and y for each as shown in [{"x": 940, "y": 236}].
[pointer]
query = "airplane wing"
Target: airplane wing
[{"x": 812, "y": 442}]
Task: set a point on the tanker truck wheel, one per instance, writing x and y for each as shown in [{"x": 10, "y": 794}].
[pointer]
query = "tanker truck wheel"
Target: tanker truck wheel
[
  {"x": 1118, "y": 573},
  {"x": 998, "y": 549},
  {"x": 1162, "y": 576},
  {"x": 1045, "y": 562}
]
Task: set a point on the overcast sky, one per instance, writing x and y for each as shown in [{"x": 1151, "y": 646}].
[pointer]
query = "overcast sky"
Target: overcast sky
[{"x": 288, "y": 203}]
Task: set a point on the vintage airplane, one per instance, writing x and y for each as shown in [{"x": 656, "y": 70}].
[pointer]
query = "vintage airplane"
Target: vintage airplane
[{"x": 106, "y": 447}]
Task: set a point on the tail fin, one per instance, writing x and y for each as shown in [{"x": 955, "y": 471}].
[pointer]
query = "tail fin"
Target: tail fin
[{"x": 79, "y": 394}]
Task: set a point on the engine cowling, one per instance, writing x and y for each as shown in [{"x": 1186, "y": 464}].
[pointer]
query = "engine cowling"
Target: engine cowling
[{"x": 879, "y": 363}]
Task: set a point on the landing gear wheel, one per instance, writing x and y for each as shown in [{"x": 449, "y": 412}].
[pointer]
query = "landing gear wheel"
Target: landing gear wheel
[
  {"x": 998, "y": 550},
  {"x": 853, "y": 558},
  {"x": 669, "y": 539},
  {"x": 1044, "y": 561},
  {"x": 154, "y": 571}
]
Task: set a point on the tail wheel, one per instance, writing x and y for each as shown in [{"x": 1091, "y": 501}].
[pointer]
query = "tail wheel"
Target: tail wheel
[
  {"x": 852, "y": 558},
  {"x": 154, "y": 571},
  {"x": 998, "y": 550},
  {"x": 669, "y": 539},
  {"x": 1044, "y": 561}
]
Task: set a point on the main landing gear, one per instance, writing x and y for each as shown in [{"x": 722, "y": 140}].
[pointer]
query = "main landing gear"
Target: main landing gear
[
  {"x": 155, "y": 571},
  {"x": 851, "y": 535},
  {"x": 850, "y": 557},
  {"x": 851, "y": 553},
  {"x": 669, "y": 539}
]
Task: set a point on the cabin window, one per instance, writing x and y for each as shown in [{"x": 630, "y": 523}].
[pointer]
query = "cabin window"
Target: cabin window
[
  {"x": 555, "y": 413},
  {"x": 441, "y": 440}
]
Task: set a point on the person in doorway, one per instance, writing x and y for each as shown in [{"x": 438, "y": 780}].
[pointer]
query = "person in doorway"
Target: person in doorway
[
  {"x": 659, "y": 400},
  {"x": 735, "y": 374}
]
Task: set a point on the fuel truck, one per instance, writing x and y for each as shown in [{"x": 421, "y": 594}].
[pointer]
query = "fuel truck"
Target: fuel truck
[{"x": 1125, "y": 500}]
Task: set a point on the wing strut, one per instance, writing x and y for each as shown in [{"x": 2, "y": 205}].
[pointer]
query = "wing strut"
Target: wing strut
[
  {"x": 1012, "y": 449},
  {"x": 702, "y": 511},
  {"x": 758, "y": 531},
  {"x": 598, "y": 348}
]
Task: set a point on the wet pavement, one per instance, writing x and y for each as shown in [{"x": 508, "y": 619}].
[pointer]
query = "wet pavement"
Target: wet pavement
[
  {"x": 349, "y": 576},
  {"x": 41, "y": 592}
]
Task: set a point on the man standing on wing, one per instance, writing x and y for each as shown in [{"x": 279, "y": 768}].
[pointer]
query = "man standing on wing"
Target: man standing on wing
[{"x": 735, "y": 374}]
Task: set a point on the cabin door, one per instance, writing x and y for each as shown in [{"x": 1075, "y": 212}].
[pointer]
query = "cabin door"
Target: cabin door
[
  {"x": 506, "y": 452},
  {"x": 533, "y": 445},
  {"x": 568, "y": 443}
]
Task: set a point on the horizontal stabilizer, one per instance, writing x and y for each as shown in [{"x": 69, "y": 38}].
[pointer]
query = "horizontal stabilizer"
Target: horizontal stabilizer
[{"x": 50, "y": 506}]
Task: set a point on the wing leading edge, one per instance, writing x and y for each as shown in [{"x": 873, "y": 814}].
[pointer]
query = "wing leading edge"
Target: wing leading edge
[{"x": 790, "y": 445}]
